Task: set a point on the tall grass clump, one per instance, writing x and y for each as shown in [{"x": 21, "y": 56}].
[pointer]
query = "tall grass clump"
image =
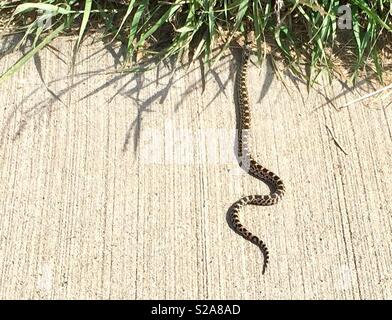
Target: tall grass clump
[{"x": 304, "y": 34}]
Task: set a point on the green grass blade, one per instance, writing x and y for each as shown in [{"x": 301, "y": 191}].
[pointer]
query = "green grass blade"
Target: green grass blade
[
  {"x": 134, "y": 27},
  {"x": 164, "y": 18},
  {"x": 86, "y": 16},
  {"x": 16, "y": 67},
  {"x": 242, "y": 9},
  {"x": 126, "y": 15},
  {"x": 26, "y": 7}
]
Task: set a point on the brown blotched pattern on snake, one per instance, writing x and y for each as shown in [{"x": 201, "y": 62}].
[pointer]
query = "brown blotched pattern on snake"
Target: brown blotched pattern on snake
[{"x": 252, "y": 167}]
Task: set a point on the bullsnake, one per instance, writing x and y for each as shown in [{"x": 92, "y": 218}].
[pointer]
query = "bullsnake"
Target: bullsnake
[{"x": 247, "y": 162}]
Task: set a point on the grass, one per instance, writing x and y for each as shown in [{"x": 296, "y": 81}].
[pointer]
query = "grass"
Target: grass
[{"x": 303, "y": 34}]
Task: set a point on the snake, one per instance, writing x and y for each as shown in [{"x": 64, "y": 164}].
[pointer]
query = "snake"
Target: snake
[{"x": 247, "y": 162}]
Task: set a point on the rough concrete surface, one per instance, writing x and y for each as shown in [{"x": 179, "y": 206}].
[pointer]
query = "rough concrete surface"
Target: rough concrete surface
[{"x": 116, "y": 185}]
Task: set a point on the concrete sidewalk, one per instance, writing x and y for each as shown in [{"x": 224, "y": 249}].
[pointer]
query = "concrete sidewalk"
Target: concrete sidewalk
[{"x": 117, "y": 185}]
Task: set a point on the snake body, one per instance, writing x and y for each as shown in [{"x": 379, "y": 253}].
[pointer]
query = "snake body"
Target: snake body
[{"x": 250, "y": 165}]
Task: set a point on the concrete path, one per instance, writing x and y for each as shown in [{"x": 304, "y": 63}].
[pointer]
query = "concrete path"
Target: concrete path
[{"x": 116, "y": 186}]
